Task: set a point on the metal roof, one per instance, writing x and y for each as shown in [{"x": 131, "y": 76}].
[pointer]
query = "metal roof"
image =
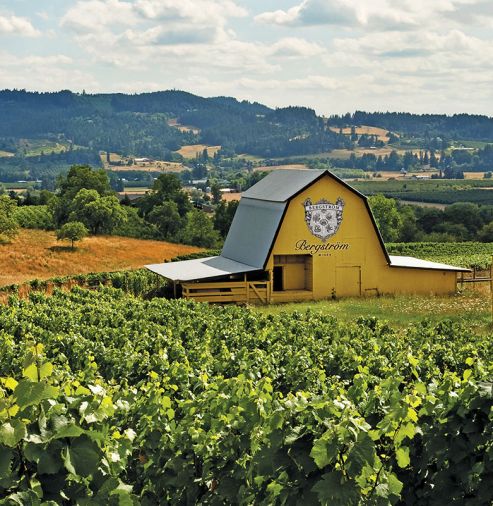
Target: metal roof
[
  {"x": 416, "y": 263},
  {"x": 281, "y": 185},
  {"x": 252, "y": 231},
  {"x": 200, "y": 268}
]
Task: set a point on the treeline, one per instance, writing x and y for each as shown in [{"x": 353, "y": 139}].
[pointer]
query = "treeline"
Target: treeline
[
  {"x": 45, "y": 167},
  {"x": 452, "y": 166},
  {"x": 457, "y": 126},
  {"x": 458, "y": 222},
  {"x": 85, "y": 202}
]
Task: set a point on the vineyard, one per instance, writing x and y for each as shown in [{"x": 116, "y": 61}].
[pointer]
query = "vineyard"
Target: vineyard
[
  {"x": 462, "y": 254},
  {"x": 109, "y": 399}
]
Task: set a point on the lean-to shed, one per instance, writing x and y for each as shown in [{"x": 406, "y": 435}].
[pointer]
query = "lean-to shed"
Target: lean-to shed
[{"x": 304, "y": 235}]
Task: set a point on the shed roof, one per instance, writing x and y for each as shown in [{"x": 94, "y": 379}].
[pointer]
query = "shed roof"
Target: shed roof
[
  {"x": 200, "y": 268},
  {"x": 416, "y": 263},
  {"x": 252, "y": 231}
]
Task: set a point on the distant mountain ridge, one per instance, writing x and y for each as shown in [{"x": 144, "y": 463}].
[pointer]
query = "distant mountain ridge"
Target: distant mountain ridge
[{"x": 139, "y": 124}]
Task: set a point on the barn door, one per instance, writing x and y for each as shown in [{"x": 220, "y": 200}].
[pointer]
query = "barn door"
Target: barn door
[{"x": 348, "y": 281}]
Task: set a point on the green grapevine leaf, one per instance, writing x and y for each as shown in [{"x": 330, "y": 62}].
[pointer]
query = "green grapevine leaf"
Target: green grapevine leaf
[
  {"x": 333, "y": 490},
  {"x": 402, "y": 455},
  {"x": 12, "y": 432},
  {"x": 31, "y": 372},
  {"x": 46, "y": 370},
  {"x": 82, "y": 457},
  {"x": 28, "y": 393},
  {"x": 5, "y": 461},
  {"x": 324, "y": 452}
]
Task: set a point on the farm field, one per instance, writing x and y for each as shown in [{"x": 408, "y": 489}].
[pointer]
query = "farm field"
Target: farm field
[
  {"x": 152, "y": 166},
  {"x": 37, "y": 254},
  {"x": 418, "y": 203},
  {"x": 381, "y": 133},
  {"x": 344, "y": 154},
  {"x": 269, "y": 168},
  {"x": 6, "y": 153},
  {"x": 192, "y": 150},
  {"x": 441, "y": 191},
  {"x": 231, "y": 196}
]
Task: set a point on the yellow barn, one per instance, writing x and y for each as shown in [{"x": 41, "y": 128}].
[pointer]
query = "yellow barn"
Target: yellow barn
[{"x": 304, "y": 235}]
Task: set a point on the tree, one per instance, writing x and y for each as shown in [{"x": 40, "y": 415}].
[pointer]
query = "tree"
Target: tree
[
  {"x": 387, "y": 217},
  {"x": 99, "y": 214},
  {"x": 167, "y": 187},
  {"x": 216, "y": 193},
  {"x": 224, "y": 215},
  {"x": 167, "y": 219},
  {"x": 409, "y": 230},
  {"x": 79, "y": 177},
  {"x": 199, "y": 230},
  {"x": 8, "y": 225},
  {"x": 83, "y": 176},
  {"x": 72, "y": 231}
]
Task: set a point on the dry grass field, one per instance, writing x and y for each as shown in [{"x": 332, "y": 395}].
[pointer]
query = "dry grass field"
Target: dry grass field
[
  {"x": 5, "y": 154},
  {"x": 154, "y": 166},
  {"x": 474, "y": 175},
  {"x": 230, "y": 197},
  {"x": 192, "y": 150},
  {"x": 381, "y": 133},
  {"x": 37, "y": 254}
]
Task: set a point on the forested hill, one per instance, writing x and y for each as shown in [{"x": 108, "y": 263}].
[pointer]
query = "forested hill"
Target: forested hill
[
  {"x": 139, "y": 124},
  {"x": 457, "y": 126}
]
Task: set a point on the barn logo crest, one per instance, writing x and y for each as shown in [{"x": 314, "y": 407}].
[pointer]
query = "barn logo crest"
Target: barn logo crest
[{"x": 323, "y": 218}]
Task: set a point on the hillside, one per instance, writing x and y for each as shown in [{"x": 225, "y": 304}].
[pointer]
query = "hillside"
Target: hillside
[
  {"x": 148, "y": 124},
  {"x": 37, "y": 254}
]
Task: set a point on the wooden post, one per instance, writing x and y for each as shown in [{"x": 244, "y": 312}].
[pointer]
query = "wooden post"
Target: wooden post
[{"x": 491, "y": 287}]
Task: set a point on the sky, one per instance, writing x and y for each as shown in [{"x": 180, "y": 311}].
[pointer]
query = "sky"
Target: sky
[{"x": 336, "y": 56}]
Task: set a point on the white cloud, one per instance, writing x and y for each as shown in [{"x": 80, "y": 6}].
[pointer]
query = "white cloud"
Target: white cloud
[
  {"x": 95, "y": 15},
  {"x": 293, "y": 47},
  {"x": 46, "y": 73},
  {"x": 198, "y": 11},
  {"x": 374, "y": 15},
  {"x": 14, "y": 25},
  {"x": 312, "y": 12}
]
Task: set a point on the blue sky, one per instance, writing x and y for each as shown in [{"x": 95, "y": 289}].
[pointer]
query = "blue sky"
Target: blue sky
[{"x": 333, "y": 55}]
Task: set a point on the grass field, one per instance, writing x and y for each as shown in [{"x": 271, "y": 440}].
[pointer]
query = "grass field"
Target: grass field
[
  {"x": 473, "y": 306},
  {"x": 36, "y": 147},
  {"x": 268, "y": 168},
  {"x": 192, "y": 150},
  {"x": 344, "y": 154},
  {"x": 37, "y": 254}
]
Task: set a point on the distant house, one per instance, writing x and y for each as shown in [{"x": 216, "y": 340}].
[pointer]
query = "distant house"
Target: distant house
[{"x": 304, "y": 235}]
